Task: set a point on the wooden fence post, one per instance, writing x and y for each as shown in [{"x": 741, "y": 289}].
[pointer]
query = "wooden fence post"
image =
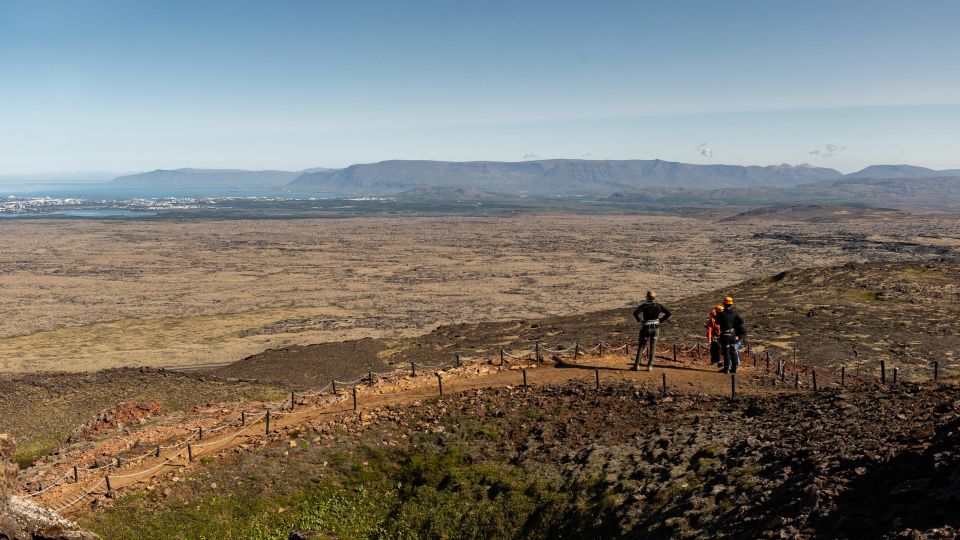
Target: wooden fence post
[
  {"x": 936, "y": 370},
  {"x": 266, "y": 429},
  {"x": 76, "y": 475},
  {"x": 354, "y": 398},
  {"x": 524, "y": 371},
  {"x": 576, "y": 351},
  {"x": 293, "y": 399},
  {"x": 440, "y": 384},
  {"x": 814, "y": 373},
  {"x": 843, "y": 376},
  {"x": 190, "y": 453},
  {"x": 883, "y": 372}
]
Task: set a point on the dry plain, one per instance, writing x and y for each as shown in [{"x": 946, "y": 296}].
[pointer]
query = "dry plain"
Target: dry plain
[{"x": 79, "y": 295}]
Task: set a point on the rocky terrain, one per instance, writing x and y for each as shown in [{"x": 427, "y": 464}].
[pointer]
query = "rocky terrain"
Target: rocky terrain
[
  {"x": 843, "y": 316},
  {"x": 817, "y": 213},
  {"x": 569, "y": 460},
  {"x": 45, "y": 411},
  {"x": 88, "y": 295},
  {"x": 494, "y": 459},
  {"x": 20, "y": 519}
]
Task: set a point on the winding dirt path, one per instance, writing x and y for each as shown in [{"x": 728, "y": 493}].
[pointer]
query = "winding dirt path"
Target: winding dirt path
[{"x": 687, "y": 375}]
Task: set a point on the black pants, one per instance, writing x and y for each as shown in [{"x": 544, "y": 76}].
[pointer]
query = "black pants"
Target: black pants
[
  {"x": 715, "y": 357},
  {"x": 648, "y": 337}
]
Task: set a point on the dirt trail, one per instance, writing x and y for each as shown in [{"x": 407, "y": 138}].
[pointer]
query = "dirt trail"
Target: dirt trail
[{"x": 688, "y": 375}]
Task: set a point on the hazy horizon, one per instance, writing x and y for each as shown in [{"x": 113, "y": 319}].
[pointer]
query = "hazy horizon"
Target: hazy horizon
[{"x": 95, "y": 176}]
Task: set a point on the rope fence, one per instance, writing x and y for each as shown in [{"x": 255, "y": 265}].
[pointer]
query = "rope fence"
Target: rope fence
[{"x": 785, "y": 369}]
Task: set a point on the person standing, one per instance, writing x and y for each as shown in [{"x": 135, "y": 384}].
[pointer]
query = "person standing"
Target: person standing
[
  {"x": 713, "y": 336},
  {"x": 648, "y": 314},
  {"x": 732, "y": 333}
]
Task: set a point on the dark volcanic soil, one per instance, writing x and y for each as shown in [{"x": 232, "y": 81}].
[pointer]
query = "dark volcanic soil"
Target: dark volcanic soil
[
  {"x": 854, "y": 315},
  {"x": 310, "y": 366},
  {"x": 629, "y": 463}
]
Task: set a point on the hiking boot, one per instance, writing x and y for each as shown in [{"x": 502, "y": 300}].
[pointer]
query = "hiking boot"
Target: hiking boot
[{"x": 733, "y": 370}]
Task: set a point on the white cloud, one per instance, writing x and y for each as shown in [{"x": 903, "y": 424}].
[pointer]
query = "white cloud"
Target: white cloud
[{"x": 828, "y": 150}]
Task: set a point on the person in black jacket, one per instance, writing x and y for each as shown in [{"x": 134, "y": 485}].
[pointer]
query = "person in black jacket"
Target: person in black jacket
[
  {"x": 648, "y": 314},
  {"x": 732, "y": 334}
]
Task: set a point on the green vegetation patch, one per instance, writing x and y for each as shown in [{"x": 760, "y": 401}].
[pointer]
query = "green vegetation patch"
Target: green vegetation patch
[{"x": 369, "y": 493}]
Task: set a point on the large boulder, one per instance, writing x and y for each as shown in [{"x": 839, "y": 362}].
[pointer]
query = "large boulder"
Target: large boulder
[{"x": 20, "y": 519}]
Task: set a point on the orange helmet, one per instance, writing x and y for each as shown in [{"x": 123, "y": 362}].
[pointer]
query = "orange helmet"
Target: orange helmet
[
  {"x": 719, "y": 308},
  {"x": 728, "y": 300}
]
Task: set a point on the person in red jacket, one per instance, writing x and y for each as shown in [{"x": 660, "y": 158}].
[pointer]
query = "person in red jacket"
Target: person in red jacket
[{"x": 713, "y": 336}]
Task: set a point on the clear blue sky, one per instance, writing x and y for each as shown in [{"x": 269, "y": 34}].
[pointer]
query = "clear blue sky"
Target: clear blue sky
[{"x": 133, "y": 85}]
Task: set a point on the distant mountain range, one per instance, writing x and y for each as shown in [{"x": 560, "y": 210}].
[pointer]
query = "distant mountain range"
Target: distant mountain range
[
  {"x": 901, "y": 171},
  {"x": 550, "y": 177},
  {"x": 622, "y": 181},
  {"x": 911, "y": 193}
]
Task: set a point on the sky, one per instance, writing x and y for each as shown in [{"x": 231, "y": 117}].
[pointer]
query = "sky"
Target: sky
[{"x": 131, "y": 85}]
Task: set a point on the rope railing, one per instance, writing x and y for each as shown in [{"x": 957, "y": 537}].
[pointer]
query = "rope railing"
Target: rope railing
[
  {"x": 781, "y": 368},
  {"x": 150, "y": 470},
  {"x": 81, "y": 497},
  {"x": 52, "y": 485}
]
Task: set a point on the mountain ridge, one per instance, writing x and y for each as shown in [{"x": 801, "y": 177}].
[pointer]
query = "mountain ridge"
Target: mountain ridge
[{"x": 551, "y": 177}]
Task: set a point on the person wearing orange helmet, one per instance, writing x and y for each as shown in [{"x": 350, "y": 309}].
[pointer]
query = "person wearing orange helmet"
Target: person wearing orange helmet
[
  {"x": 732, "y": 333},
  {"x": 713, "y": 336},
  {"x": 648, "y": 314}
]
